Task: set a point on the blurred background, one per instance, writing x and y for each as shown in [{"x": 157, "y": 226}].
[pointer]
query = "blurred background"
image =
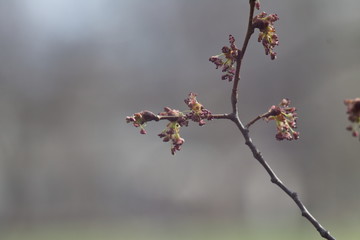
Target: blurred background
[{"x": 71, "y": 168}]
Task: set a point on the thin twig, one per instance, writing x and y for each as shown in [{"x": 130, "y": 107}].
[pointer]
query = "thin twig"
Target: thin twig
[
  {"x": 240, "y": 56},
  {"x": 264, "y": 115},
  {"x": 274, "y": 179},
  {"x": 174, "y": 118},
  {"x": 221, "y": 116},
  {"x": 248, "y": 141},
  {"x": 253, "y": 121}
]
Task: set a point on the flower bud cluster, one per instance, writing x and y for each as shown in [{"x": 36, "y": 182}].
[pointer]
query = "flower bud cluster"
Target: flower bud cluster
[
  {"x": 353, "y": 110},
  {"x": 139, "y": 119},
  {"x": 227, "y": 60},
  {"x": 179, "y": 117},
  {"x": 177, "y": 120},
  {"x": 171, "y": 132},
  {"x": 285, "y": 119},
  {"x": 267, "y": 35},
  {"x": 198, "y": 112}
]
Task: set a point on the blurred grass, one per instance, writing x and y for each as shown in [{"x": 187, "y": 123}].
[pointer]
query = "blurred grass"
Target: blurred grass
[{"x": 162, "y": 232}]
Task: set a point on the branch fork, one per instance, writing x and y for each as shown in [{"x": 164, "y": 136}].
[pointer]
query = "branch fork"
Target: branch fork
[{"x": 230, "y": 61}]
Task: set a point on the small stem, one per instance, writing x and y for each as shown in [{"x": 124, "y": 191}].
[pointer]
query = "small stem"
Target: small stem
[
  {"x": 250, "y": 29},
  {"x": 221, "y": 116},
  {"x": 253, "y": 121},
  {"x": 240, "y": 55},
  {"x": 264, "y": 115},
  {"x": 274, "y": 179},
  {"x": 248, "y": 141},
  {"x": 174, "y": 118}
]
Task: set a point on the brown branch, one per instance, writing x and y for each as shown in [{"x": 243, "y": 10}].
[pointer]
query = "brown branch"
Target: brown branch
[
  {"x": 174, "y": 118},
  {"x": 253, "y": 121},
  {"x": 221, "y": 116},
  {"x": 274, "y": 179},
  {"x": 264, "y": 115},
  {"x": 147, "y": 116},
  {"x": 240, "y": 56},
  {"x": 248, "y": 141}
]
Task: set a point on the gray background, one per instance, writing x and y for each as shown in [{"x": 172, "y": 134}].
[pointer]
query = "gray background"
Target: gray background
[{"x": 71, "y": 71}]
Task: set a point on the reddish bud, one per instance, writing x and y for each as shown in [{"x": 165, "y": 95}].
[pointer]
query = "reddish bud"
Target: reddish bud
[
  {"x": 353, "y": 111},
  {"x": 267, "y": 35},
  {"x": 257, "y": 5},
  {"x": 227, "y": 59},
  {"x": 285, "y": 119}
]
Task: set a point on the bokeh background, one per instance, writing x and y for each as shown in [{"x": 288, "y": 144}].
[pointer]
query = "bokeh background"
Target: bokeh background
[{"x": 71, "y": 168}]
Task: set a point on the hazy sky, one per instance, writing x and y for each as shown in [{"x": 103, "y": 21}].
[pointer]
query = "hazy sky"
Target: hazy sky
[{"x": 71, "y": 71}]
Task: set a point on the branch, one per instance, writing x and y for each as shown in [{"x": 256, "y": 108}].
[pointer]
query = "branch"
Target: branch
[
  {"x": 274, "y": 179},
  {"x": 254, "y": 120},
  {"x": 240, "y": 56},
  {"x": 248, "y": 141},
  {"x": 271, "y": 112},
  {"x": 199, "y": 114},
  {"x": 175, "y": 118}
]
